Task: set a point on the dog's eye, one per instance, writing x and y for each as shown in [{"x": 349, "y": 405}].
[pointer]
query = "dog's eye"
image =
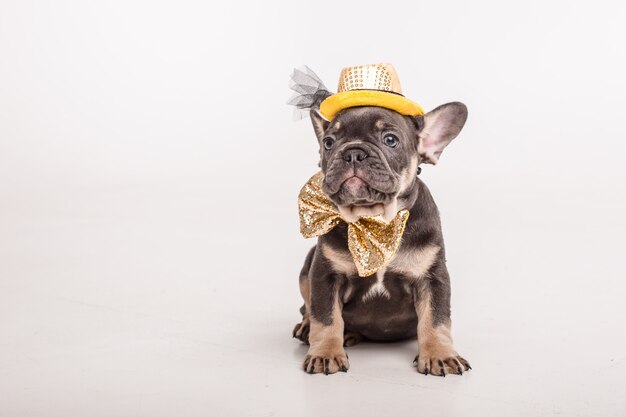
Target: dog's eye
[
  {"x": 391, "y": 141},
  {"x": 328, "y": 143}
]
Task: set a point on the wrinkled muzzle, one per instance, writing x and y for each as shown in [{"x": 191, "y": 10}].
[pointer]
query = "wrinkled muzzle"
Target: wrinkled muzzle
[{"x": 359, "y": 175}]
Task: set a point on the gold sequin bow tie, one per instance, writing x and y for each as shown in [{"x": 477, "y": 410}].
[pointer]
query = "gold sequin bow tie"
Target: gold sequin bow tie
[{"x": 372, "y": 241}]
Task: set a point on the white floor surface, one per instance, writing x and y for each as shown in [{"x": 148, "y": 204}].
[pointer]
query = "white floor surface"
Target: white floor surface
[{"x": 138, "y": 301}]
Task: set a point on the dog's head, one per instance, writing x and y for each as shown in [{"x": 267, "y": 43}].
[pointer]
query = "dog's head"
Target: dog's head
[{"x": 370, "y": 155}]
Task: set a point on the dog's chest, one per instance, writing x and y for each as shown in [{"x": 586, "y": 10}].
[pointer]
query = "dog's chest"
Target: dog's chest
[{"x": 392, "y": 282}]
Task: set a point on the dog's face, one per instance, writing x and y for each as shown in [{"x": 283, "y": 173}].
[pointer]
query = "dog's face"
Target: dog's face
[{"x": 370, "y": 155}]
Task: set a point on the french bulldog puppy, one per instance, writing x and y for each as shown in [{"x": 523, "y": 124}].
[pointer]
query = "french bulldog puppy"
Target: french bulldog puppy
[{"x": 370, "y": 158}]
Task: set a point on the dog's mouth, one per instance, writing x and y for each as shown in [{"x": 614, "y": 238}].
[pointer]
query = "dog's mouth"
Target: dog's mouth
[
  {"x": 355, "y": 186},
  {"x": 356, "y": 196}
]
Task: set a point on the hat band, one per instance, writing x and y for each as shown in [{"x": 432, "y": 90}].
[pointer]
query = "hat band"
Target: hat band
[{"x": 372, "y": 89}]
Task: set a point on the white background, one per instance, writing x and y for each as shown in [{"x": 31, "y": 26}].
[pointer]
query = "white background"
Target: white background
[{"x": 149, "y": 168}]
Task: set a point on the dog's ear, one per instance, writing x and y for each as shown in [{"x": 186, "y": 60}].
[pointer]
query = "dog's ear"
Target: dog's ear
[
  {"x": 437, "y": 128},
  {"x": 319, "y": 124}
]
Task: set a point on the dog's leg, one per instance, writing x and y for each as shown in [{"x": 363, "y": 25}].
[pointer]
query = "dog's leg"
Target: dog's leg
[
  {"x": 436, "y": 354},
  {"x": 326, "y": 353},
  {"x": 301, "y": 330}
]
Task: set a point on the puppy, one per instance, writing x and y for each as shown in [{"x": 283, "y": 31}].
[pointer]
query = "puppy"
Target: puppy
[{"x": 370, "y": 158}]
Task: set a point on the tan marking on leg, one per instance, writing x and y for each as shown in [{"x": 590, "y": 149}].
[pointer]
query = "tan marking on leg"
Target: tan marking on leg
[
  {"x": 415, "y": 263},
  {"x": 302, "y": 329},
  {"x": 436, "y": 354},
  {"x": 326, "y": 353},
  {"x": 341, "y": 262}
]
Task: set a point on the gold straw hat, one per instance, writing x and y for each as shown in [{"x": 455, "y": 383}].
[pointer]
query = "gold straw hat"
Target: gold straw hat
[{"x": 369, "y": 85}]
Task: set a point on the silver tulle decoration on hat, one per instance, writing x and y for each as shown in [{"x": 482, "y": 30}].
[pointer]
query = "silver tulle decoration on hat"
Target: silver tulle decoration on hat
[{"x": 310, "y": 91}]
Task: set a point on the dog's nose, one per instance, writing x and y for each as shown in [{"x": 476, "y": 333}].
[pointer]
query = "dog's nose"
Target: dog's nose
[{"x": 354, "y": 155}]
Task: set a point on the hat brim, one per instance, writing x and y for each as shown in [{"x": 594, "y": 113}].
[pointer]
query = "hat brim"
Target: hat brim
[{"x": 354, "y": 98}]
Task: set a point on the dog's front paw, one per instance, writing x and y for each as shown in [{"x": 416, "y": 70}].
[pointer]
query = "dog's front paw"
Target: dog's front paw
[
  {"x": 441, "y": 362},
  {"x": 328, "y": 362}
]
